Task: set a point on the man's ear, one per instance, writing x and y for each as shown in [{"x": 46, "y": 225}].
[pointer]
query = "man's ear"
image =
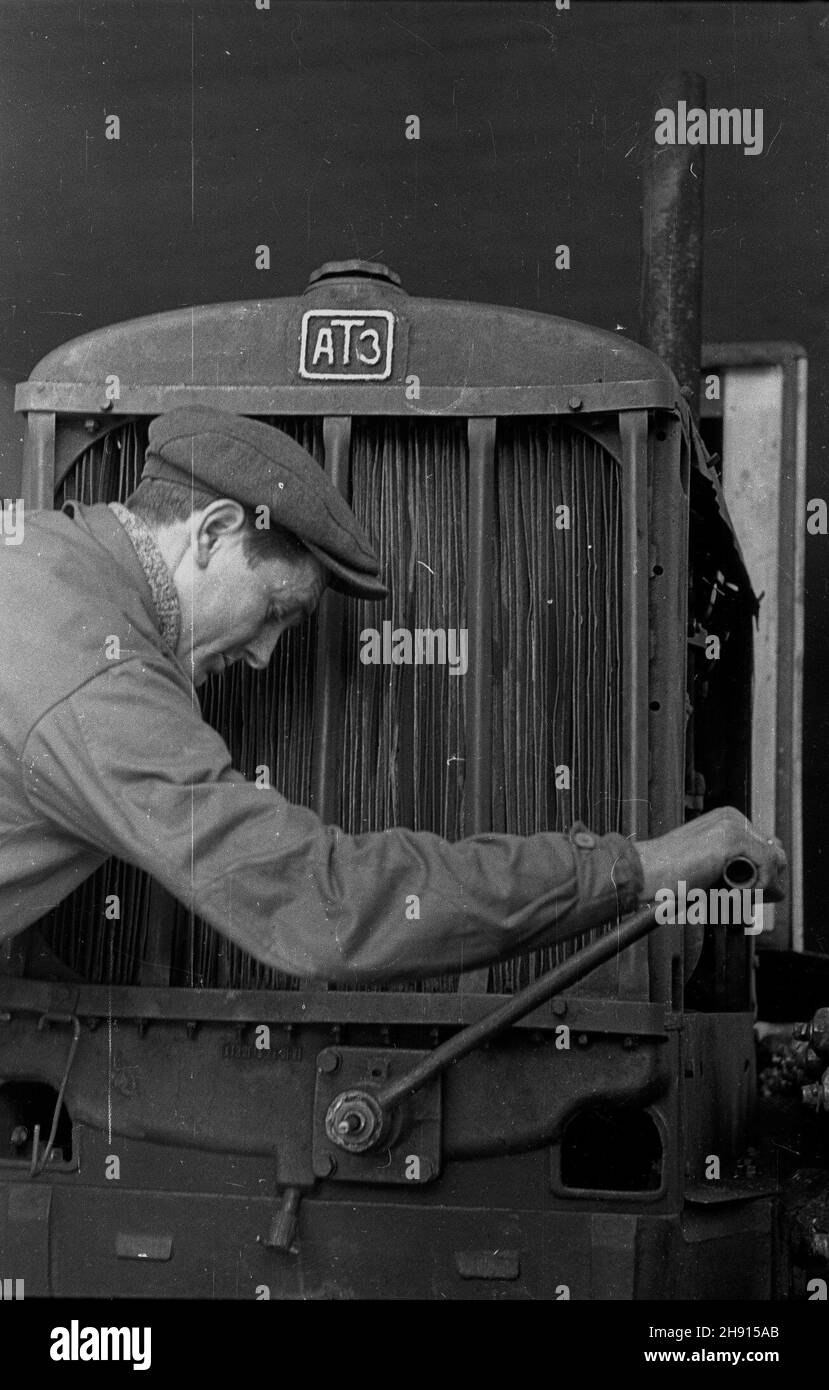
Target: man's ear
[{"x": 222, "y": 518}]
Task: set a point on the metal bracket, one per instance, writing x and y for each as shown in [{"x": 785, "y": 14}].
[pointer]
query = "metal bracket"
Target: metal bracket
[{"x": 406, "y": 1151}]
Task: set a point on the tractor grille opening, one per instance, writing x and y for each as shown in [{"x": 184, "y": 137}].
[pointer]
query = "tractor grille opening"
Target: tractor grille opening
[
  {"x": 401, "y": 730},
  {"x": 606, "y": 1148}
]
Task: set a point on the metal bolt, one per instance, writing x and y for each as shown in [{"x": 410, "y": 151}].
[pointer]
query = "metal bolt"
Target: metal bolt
[
  {"x": 582, "y": 1040},
  {"x": 18, "y": 1136},
  {"x": 353, "y": 1121},
  {"x": 559, "y": 1007},
  {"x": 90, "y": 425},
  {"x": 627, "y": 1042},
  {"x": 328, "y": 1062},
  {"x": 575, "y": 402}
]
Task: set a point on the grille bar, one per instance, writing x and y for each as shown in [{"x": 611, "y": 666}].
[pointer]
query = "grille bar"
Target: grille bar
[
  {"x": 478, "y": 800},
  {"x": 328, "y": 674}
]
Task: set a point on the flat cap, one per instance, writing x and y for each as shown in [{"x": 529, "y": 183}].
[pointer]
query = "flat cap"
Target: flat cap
[{"x": 259, "y": 465}]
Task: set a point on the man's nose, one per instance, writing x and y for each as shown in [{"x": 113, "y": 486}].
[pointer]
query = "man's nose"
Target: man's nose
[{"x": 259, "y": 651}]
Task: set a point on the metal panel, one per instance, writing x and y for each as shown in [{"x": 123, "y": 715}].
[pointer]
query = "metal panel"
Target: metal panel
[
  {"x": 68, "y": 398},
  {"x": 289, "y": 1007},
  {"x": 769, "y": 447}
]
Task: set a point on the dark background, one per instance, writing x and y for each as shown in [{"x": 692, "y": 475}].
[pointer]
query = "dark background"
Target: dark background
[{"x": 286, "y": 127}]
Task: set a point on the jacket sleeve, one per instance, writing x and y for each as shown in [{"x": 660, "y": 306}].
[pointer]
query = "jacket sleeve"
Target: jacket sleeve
[{"x": 126, "y": 764}]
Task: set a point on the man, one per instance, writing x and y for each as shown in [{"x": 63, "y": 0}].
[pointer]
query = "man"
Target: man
[{"x": 109, "y": 619}]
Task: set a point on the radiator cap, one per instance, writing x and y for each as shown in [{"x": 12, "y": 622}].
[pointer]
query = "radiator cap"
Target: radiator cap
[{"x": 364, "y": 270}]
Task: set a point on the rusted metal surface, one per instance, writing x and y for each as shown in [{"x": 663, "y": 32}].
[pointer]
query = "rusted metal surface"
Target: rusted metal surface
[
  {"x": 672, "y": 237},
  {"x": 291, "y": 1007},
  {"x": 249, "y": 352}
]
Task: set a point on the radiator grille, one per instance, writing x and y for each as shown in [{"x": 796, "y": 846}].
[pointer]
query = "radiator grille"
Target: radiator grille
[{"x": 555, "y": 687}]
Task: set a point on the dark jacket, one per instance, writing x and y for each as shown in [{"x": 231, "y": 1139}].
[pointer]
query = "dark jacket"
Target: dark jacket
[{"x": 102, "y": 756}]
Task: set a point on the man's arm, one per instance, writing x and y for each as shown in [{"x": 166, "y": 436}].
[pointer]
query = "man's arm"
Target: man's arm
[{"x": 128, "y": 765}]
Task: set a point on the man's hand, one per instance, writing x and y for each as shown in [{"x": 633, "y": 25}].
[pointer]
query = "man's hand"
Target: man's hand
[{"x": 699, "y": 851}]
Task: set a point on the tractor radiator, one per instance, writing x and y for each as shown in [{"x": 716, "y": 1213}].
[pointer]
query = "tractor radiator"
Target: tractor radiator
[{"x": 554, "y": 664}]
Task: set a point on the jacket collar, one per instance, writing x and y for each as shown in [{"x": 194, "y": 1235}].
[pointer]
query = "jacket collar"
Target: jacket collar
[
  {"x": 109, "y": 531},
  {"x": 156, "y": 571}
]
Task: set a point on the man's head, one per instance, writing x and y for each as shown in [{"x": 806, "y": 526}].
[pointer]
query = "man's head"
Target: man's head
[
  {"x": 239, "y": 587},
  {"x": 251, "y": 529}
]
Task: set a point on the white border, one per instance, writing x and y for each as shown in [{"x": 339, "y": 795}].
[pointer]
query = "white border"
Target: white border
[{"x": 346, "y": 313}]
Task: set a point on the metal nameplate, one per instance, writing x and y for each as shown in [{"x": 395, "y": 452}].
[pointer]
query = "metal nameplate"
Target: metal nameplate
[{"x": 346, "y": 344}]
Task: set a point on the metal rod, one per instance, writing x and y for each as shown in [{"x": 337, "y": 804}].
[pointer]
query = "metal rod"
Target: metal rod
[
  {"x": 672, "y": 227},
  {"x": 633, "y": 980},
  {"x": 741, "y": 873},
  {"x": 633, "y": 428},
  {"x": 542, "y": 989},
  {"x": 480, "y": 525},
  {"x": 327, "y": 744},
  {"x": 330, "y": 623},
  {"x": 39, "y": 1163}
]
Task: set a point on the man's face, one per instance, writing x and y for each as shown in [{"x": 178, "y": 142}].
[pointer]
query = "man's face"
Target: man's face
[{"x": 232, "y": 611}]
